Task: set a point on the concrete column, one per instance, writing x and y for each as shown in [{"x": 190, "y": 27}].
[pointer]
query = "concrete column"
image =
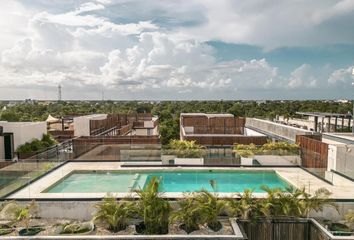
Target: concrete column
[
  {"x": 316, "y": 124},
  {"x": 329, "y": 124},
  {"x": 342, "y": 124},
  {"x": 349, "y": 123},
  {"x": 322, "y": 124},
  {"x": 335, "y": 124}
]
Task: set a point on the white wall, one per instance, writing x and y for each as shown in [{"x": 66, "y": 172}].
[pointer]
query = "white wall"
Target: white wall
[
  {"x": 2, "y": 150},
  {"x": 82, "y": 124},
  {"x": 189, "y": 161},
  {"x": 140, "y": 132},
  {"x": 24, "y": 131}
]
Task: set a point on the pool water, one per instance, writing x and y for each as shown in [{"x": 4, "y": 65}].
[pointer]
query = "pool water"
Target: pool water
[{"x": 171, "y": 181}]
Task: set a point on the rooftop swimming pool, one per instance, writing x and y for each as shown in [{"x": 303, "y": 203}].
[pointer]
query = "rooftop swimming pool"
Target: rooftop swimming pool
[{"x": 171, "y": 181}]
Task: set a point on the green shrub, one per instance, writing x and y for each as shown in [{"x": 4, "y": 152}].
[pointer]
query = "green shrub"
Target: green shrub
[
  {"x": 37, "y": 145},
  {"x": 272, "y": 148},
  {"x": 185, "y": 149}
]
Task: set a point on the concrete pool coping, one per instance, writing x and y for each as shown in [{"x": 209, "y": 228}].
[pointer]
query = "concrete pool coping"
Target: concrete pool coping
[{"x": 293, "y": 175}]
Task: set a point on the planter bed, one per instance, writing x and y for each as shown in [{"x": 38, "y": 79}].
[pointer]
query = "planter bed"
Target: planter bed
[{"x": 229, "y": 230}]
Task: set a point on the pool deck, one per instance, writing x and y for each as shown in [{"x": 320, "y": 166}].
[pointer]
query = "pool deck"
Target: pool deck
[{"x": 295, "y": 176}]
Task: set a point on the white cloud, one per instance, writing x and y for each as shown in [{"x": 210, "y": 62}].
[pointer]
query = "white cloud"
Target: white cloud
[
  {"x": 159, "y": 61},
  {"x": 342, "y": 77},
  {"x": 82, "y": 48},
  {"x": 302, "y": 77}
]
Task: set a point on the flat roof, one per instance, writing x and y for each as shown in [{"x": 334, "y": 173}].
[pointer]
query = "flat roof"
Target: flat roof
[
  {"x": 325, "y": 114},
  {"x": 208, "y": 115},
  {"x": 293, "y": 175}
]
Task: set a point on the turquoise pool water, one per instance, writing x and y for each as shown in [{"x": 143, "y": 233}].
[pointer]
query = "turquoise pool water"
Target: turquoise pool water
[{"x": 172, "y": 181}]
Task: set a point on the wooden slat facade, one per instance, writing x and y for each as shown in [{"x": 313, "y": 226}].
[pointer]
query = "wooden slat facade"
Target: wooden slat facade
[
  {"x": 117, "y": 121},
  {"x": 216, "y": 125},
  {"x": 314, "y": 153},
  {"x": 282, "y": 229}
]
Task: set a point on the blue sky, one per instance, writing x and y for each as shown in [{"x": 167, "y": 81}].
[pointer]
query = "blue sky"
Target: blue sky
[{"x": 196, "y": 49}]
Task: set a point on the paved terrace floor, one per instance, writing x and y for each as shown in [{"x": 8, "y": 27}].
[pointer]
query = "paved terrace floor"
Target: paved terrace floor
[{"x": 295, "y": 176}]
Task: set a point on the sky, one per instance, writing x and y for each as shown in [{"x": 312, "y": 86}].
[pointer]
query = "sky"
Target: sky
[{"x": 177, "y": 50}]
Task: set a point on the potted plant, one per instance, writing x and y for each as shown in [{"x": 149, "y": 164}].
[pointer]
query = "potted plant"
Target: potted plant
[
  {"x": 113, "y": 213},
  {"x": 246, "y": 152},
  {"x": 188, "y": 214},
  {"x": 152, "y": 209},
  {"x": 187, "y": 152}
]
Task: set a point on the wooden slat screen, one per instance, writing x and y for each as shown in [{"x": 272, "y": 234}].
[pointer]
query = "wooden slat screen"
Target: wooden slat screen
[{"x": 314, "y": 153}]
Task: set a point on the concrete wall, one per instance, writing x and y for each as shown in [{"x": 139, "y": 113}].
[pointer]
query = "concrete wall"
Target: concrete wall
[
  {"x": 23, "y": 132},
  {"x": 275, "y": 129},
  {"x": 84, "y": 210},
  {"x": 82, "y": 124},
  {"x": 250, "y": 132}
]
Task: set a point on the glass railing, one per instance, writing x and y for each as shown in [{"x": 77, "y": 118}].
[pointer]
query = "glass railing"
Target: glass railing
[{"x": 17, "y": 174}]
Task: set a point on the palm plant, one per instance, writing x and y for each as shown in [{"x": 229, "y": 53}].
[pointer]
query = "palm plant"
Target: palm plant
[
  {"x": 294, "y": 202},
  {"x": 189, "y": 214},
  {"x": 210, "y": 207},
  {"x": 153, "y": 209},
  {"x": 282, "y": 203},
  {"x": 113, "y": 213},
  {"x": 245, "y": 206},
  {"x": 316, "y": 202}
]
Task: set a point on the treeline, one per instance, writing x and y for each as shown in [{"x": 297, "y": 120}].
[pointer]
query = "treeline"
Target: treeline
[{"x": 168, "y": 111}]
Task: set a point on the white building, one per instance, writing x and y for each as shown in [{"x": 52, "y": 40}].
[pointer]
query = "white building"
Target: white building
[
  {"x": 146, "y": 127},
  {"x": 82, "y": 124},
  {"x": 15, "y": 134}
]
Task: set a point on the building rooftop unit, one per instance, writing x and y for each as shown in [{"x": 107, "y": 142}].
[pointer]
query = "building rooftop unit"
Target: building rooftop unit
[{"x": 217, "y": 129}]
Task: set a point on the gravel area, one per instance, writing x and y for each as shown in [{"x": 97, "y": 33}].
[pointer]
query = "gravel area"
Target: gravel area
[{"x": 51, "y": 230}]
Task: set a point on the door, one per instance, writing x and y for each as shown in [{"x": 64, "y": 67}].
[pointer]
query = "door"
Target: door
[{"x": 8, "y": 145}]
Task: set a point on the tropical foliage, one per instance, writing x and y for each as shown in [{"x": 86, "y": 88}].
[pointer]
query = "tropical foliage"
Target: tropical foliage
[
  {"x": 245, "y": 150},
  {"x": 292, "y": 202},
  {"x": 113, "y": 213},
  {"x": 152, "y": 208},
  {"x": 245, "y": 206},
  {"x": 185, "y": 149},
  {"x": 211, "y": 207},
  {"x": 271, "y": 148},
  {"x": 25, "y": 213},
  {"x": 168, "y": 111},
  {"x": 189, "y": 214},
  {"x": 37, "y": 145}
]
